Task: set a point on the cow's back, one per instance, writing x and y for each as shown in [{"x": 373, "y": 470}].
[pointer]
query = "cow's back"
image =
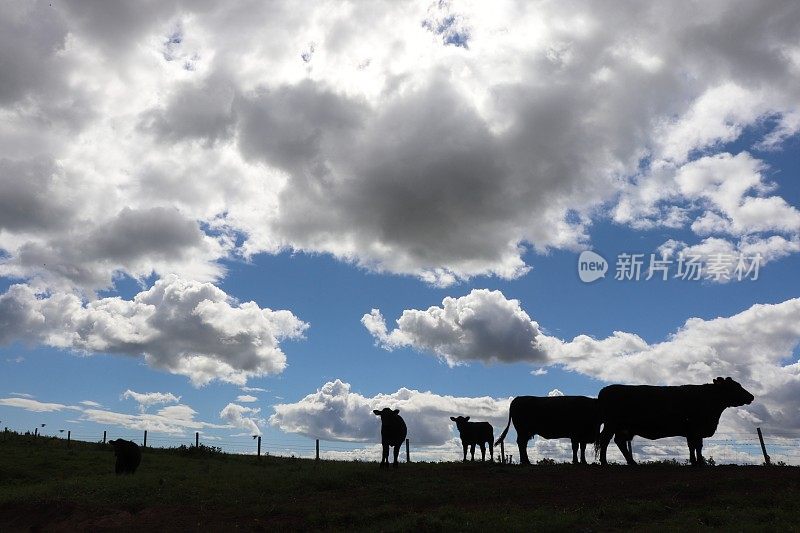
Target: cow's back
[
  {"x": 653, "y": 411},
  {"x": 557, "y": 417}
]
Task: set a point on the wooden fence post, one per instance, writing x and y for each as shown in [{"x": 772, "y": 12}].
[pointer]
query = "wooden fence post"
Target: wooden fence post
[
  {"x": 259, "y": 447},
  {"x": 104, "y": 436},
  {"x": 35, "y": 432},
  {"x": 502, "y": 452},
  {"x": 408, "y": 452},
  {"x": 317, "y": 458},
  {"x": 196, "y": 439},
  {"x": 144, "y": 445},
  {"x": 763, "y": 448},
  {"x": 69, "y": 437}
]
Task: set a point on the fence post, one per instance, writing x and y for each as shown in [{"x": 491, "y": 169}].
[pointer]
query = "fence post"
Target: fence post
[
  {"x": 408, "y": 452},
  {"x": 196, "y": 439},
  {"x": 35, "y": 432},
  {"x": 144, "y": 445},
  {"x": 69, "y": 437},
  {"x": 259, "y": 447},
  {"x": 502, "y": 452},
  {"x": 317, "y": 458},
  {"x": 763, "y": 448},
  {"x": 104, "y": 436}
]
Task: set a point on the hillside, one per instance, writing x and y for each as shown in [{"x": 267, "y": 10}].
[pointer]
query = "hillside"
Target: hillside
[{"x": 45, "y": 485}]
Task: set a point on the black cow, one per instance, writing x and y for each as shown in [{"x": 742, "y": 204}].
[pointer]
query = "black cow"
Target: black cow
[
  {"x": 393, "y": 433},
  {"x": 473, "y": 433},
  {"x": 690, "y": 411},
  {"x": 128, "y": 456},
  {"x": 554, "y": 417}
]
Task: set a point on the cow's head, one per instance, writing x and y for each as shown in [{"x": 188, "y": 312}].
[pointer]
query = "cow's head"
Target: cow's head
[
  {"x": 733, "y": 394},
  {"x": 460, "y": 421},
  {"x": 386, "y": 413}
]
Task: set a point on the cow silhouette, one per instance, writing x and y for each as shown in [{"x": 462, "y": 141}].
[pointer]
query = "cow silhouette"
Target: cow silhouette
[
  {"x": 690, "y": 411},
  {"x": 554, "y": 417},
  {"x": 473, "y": 433},
  {"x": 128, "y": 456},
  {"x": 393, "y": 433}
]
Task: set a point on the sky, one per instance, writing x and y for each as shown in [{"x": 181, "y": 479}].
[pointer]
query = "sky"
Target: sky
[{"x": 250, "y": 218}]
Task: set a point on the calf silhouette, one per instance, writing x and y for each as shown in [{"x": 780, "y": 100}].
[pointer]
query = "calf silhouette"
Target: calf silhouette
[
  {"x": 554, "y": 417},
  {"x": 128, "y": 456},
  {"x": 473, "y": 433},
  {"x": 393, "y": 433},
  {"x": 690, "y": 411}
]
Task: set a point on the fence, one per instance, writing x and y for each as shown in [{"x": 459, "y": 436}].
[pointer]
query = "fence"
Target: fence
[{"x": 756, "y": 447}]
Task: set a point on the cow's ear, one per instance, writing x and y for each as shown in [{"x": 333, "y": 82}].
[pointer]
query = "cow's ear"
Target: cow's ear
[
  {"x": 453, "y": 418},
  {"x": 397, "y": 411},
  {"x": 376, "y": 412},
  {"x": 466, "y": 418}
]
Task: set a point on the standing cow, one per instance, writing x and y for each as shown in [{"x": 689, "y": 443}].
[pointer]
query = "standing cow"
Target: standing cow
[
  {"x": 473, "y": 433},
  {"x": 393, "y": 433},
  {"x": 554, "y": 417},
  {"x": 128, "y": 456},
  {"x": 690, "y": 411}
]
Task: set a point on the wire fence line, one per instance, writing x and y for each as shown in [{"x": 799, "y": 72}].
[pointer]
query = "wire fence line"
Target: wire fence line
[{"x": 728, "y": 447}]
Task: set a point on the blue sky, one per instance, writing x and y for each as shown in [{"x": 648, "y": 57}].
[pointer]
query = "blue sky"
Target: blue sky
[{"x": 347, "y": 170}]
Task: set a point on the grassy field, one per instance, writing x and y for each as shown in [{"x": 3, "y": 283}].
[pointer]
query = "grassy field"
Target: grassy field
[{"x": 44, "y": 485}]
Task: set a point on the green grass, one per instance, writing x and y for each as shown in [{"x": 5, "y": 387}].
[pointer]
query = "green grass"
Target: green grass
[{"x": 44, "y": 484}]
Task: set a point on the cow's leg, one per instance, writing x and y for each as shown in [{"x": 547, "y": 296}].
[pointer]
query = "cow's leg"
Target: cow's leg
[
  {"x": 472, "y": 451},
  {"x": 583, "y": 453},
  {"x": 385, "y": 455},
  {"x": 483, "y": 451},
  {"x": 623, "y": 443},
  {"x": 522, "y": 443},
  {"x": 574, "y": 451},
  {"x": 465, "y": 445},
  {"x": 605, "y": 439},
  {"x": 696, "y": 451},
  {"x": 396, "y": 453},
  {"x": 491, "y": 450}
]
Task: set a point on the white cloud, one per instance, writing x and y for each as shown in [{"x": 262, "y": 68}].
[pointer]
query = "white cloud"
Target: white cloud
[
  {"x": 246, "y": 398},
  {"x": 253, "y": 389},
  {"x": 482, "y": 326},
  {"x": 148, "y": 399},
  {"x": 242, "y": 417},
  {"x": 334, "y": 412},
  {"x": 173, "y": 420},
  {"x": 35, "y": 405},
  {"x": 755, "y": 347},
  {"x": 185, "y": 327},
  {"x": 90, "y": 403}
]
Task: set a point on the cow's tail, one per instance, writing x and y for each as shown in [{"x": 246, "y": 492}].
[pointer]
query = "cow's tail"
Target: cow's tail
[{"x": 505, "y": 431}]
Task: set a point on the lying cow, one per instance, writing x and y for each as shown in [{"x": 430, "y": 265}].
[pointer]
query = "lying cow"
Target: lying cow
[
  {"x": 473, "y": 433},
  {"x": 690, "y": 411},
  {"x": 128, "y": 456},
  {"x": 393, "y": 433},
  {"x": 554, "y": 417}
]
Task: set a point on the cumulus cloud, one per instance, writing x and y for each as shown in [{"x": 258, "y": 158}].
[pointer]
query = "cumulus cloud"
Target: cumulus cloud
[
  {"x": 481, "y": 326},
  {"x": 334, "y": 412},
  {"x": 755, "y": 347},
  {"x": 185, "y": 327},
  {"x": 242, "y": 417},
  {"x": 148, "y": 399},
  {"x": 440, "y": 141}
]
